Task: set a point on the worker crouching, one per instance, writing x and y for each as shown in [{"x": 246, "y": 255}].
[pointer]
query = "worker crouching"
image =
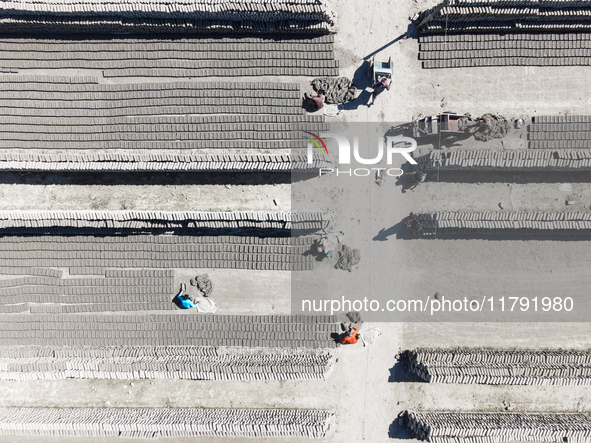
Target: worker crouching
[{"x": 351, "y": 336}]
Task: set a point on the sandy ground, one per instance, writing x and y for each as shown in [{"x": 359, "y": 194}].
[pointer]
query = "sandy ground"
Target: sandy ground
[
  {"x": 366, "y": 391},
  {"x": 162, "y": 197}
]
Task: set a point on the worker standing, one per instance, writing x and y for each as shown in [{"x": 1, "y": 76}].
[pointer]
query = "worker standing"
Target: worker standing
[
  {"x": 378, "y": 88},
  {"x": 419, "y": 177}
]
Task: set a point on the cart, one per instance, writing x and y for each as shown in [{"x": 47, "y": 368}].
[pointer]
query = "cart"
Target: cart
[
  {"x": 443, "y": 124},
  {"x": 378, "y": 69}
]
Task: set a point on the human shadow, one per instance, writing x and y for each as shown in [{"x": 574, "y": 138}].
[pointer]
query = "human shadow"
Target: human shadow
[
  {"x": 361, "y": 100},
  {"x": 336, "y": 337},
  {"x": 400, "y": 372},
  {"x": 313, "y": 251},
  {"x": 399, "y": 229},
  {"x": 399, "y": 431},
  {"x": 405, "y": 182},
  {"x": 361, "y": 77},
  {"x": 177, "y": 302}
]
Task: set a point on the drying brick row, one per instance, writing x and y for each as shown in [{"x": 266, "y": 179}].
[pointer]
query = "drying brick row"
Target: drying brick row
[
  {"x": 457, "y": 16},
  {"x": 191, "y": 363},
  {"x": 177, "y": 328},
  {"x": 146, "y": 220},
  {"x": 502, "y": 222},
  {"x": 156, "y": 16},
  {"x": 564, "y": 159},
  {"x": 164, "y": 422},
  {"x": 502, "y": 367},
  {"x": 483, "y": 427}
]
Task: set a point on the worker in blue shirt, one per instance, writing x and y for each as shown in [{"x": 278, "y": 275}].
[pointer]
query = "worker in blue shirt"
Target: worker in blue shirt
[{"x": 185, "y": 300}]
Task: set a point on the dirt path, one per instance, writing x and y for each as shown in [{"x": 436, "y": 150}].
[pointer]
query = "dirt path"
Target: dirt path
[{"x": 146, "y": 197}]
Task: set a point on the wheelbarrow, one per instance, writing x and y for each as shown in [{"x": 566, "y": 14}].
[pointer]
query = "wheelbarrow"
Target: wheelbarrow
[{"x": 378, "y": 69}]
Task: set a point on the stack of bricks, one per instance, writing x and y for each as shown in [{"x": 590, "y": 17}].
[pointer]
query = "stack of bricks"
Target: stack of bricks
[
  {"x": 39, "y": 113},
  {"x": 171, "y": 362},
  {"x": 159, "y": 161},
  {"x": 180, "y": 328},
  {"x": 166, "y": 57},
  {"x": 54, "y": 123},
  {"x": 512, "y": 223},
  {"x": 94, "y": 257},
  {"x": 161, "y": 16},
  {"x": 501, "y": 16},
  {"x": 560, "y": 132},
  {"x": 475, "y": 50},
  {"x": 148, "y": 423},
  {"x": 502, "y": 367},
  {"x": 464, "y": 33},
  {"x": 510, "y": 160},
  {"x": 110, "y": 222},
  {"x": 482, "y": 427},
  {"x": 115, "y": 290}
]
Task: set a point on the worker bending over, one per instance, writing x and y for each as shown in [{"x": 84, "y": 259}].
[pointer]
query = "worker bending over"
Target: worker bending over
[
  {"x": 185, "y": 299},
  {"x": 351, "y": 336}
]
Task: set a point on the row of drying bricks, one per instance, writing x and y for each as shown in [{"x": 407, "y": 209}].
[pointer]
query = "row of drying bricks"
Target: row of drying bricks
[
  {"x": 100, "y": 104},
  {"x": 556, "y": 38},
  {"x": 504, "y": 44},
  {"x": 265, "y": 55},
  {"x": 526, "y": 216},
  {"x": 157, "y": 216},
  {"x": 156, "y": 157},
  {"x": 237, "y": 130},
  {"x": 205, "y": 43},
  {"x": 262, "y": 263},
  {"x": 504, "y": 53},
  {"x": 113, "y": 135},
  {"x": 158, "y": 224},
  {"x": 164, "y": 422},
  {"x": 172, "y": 14},
  {"x": 90, "y": 281},
  {"x": 319, "y": 61},
  {"x": 314, "y": 71},
  {"x": 214, "y": 338},
  {"x": 500, "y": 356},
  {"x": 216, "y": 368},
  {"x": 525, "y": 159},
  {"x": 534, "y": 13},
  {"x": 213, "y": 323},
  {"x": 116, "y": 241},
  {"x": 129, "y": 49},
  {"x": 506, "y": 61},
  {"x": 155, "y": 146},
  {"x": 154, "y": 166},
  {"x": 211, "y": 10},
  {"x": 505, "y": 427},
  {"x": 44, "y": 308}
]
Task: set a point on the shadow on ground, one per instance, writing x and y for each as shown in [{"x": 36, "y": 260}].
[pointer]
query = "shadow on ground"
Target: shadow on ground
[
  {"x": 508, "y": 177},
  {"x": 406, "y": 182},
  {"x": 399, "y": 431},
  {"x": 542, "y": 236},
  {"x": 145, "y": 178},
  {"x": 412, "y": 31},
  {"x": 399, "y": 229},
  {"x": 400, "y": 373}
]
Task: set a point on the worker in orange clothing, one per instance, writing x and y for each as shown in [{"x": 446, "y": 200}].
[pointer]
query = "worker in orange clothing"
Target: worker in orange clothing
[{"x": 351, "y": 336}]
